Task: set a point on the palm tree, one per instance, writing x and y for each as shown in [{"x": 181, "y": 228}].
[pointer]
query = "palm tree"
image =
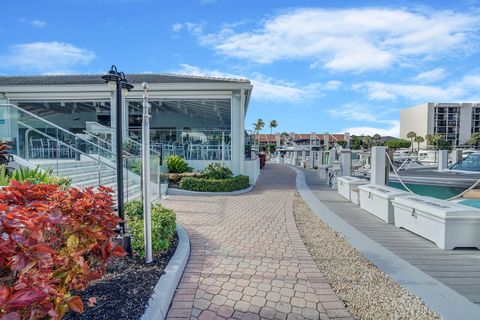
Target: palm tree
[
  {"x": 273, "y": 124},
  {"x": 418, "y": 140},
  {"x": 258, "y": 126},
  {"x": 474, "y": 138},
  {"x": 411, "y": 135}
]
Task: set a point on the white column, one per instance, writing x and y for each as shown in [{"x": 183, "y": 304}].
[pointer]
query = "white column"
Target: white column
[
  {"x": 326, "y": 140},
  {"x": 346, "y": 162},
  {"x": 242, "y": 131},
  {"x": 236, "y": 132},
  {"x": 347, "y": 139},
  {"x": 378, "y": 171},
  {"x": 442, "y": 160}
]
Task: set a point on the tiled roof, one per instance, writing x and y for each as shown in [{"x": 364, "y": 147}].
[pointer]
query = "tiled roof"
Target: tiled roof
[{"x": 95, "y": 79}]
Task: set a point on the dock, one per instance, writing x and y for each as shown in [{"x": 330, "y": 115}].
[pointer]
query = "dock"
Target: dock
[{"x": 457, "y": 269}]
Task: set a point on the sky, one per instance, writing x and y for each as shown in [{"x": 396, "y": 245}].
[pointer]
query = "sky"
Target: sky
[{"x": 316, "y": 66}]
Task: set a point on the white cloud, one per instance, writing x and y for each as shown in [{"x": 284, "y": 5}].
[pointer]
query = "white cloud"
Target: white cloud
[
  {"x": 38, "y": 23},
  {"x": 367, "y": 113},
  {"x": 464, "y": 89},
  {"x": 430, "y": 76},
  {"x": 333, "y": 85},
  {"x": 47, "y": 57},
  {"x": 176, "y": 27},
  {"x": 350, "y": 39},
  {"x": 266, "y": 88},
  {"x": 354, "y": 112},
  {"x": 393, "y": 130},
  {"x": 194, "y": 28}
]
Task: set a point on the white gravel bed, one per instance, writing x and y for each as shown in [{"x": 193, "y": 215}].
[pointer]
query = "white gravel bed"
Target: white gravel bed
[{"x": 367, "y": 292}]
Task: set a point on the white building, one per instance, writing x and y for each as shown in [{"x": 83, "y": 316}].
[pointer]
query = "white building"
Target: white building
[
  {"x": 454, "y": 121},
  {"x": 198, "y": 118}
]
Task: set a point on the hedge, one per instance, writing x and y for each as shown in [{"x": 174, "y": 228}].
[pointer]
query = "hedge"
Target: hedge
[
  {"x": 163, "y": 226},
  {"x": 214, "y": 185}
]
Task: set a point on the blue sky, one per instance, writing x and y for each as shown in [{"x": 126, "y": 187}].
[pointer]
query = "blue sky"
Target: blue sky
[{"x": 316, "y": 66}]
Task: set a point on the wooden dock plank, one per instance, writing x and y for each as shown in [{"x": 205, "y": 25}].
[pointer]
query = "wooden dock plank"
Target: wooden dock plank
[{"x": 458, "y": 269}]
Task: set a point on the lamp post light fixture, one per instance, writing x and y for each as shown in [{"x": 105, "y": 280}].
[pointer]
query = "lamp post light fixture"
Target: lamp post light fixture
[{"x": 114, "y": 77}]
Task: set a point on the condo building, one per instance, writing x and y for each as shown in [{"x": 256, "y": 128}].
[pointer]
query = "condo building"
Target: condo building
[{"x": 454, "y": 121}]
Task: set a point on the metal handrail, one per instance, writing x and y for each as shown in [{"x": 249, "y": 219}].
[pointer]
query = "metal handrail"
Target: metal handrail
[
  {"x": 126, "y": 138},
  {"x": 65, "y": 144},
  {"x": 105, "y": 141},
  {"x": 53, "y": 125}
]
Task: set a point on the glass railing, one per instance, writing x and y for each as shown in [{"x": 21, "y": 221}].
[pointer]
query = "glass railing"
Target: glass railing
[
  {"x": 133, "y": 176},
  {"x": 41, "y": 142},
  {"x": 191, "y": 144},
  {"x": 33, "y": 137}
]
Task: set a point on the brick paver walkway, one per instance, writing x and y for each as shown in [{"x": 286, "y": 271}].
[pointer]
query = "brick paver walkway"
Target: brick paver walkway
[{"x": 247, "y": 259}]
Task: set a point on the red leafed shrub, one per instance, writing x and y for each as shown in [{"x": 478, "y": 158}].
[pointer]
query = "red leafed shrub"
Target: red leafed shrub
[{"x": 52, "y": 241}]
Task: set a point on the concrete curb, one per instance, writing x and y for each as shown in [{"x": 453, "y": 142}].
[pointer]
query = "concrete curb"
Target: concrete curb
[
  {"x": 164, "y": 291},
  {"x": 180, "y": 192},
  {"x": 447, "y": 302}
]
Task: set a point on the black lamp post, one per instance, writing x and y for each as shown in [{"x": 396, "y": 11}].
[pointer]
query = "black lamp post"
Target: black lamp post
[{"x": 113, "y": 76}]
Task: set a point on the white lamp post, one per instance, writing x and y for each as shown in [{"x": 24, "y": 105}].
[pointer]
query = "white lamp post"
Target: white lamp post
[{"x": 147, "y": 217}]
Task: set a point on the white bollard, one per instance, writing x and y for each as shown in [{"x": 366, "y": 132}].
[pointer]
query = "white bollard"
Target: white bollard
[
  {"x": 346, "y": 162},
  {"x": 332, "y": 156},
  {"x": 442, "y": 160},
  {"x": 378, "y": 170},
  {"x": 457, "y": 155}
]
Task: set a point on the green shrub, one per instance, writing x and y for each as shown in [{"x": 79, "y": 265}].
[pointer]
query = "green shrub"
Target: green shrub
[
  {"x": 214, "y": 185},
  {"x": 175, "y": 164},
  {"x": 398, "y": 143},
  {"x": 216, "y": 171},
  {"x": 34, "y": 176},
  {"x": 134, "y": 209},
  {"x": 163, "y": 229}
]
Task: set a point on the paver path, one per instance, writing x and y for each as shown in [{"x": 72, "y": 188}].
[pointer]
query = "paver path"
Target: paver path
[{"x": 247, "y": 259}]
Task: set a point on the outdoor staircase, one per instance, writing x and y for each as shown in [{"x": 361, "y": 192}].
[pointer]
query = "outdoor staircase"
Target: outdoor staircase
[
  {"x": 87, "y": 173},
  {"x": 88, "y": 163}
]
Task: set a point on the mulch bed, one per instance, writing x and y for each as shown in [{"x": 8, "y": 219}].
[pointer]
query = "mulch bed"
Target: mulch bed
[{"x": 124, "y": 291}]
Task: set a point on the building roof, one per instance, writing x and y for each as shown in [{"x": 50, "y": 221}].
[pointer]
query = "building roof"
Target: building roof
[{"x": 95, "y": 79}]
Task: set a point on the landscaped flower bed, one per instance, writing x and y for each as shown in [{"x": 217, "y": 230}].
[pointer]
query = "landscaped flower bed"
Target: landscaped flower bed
[
  {"x": 58, "y": 258},
  {"x": 53, "y": 241},
  {"x": 215, "y": 178},
  {"x": 124, "y": 291}
]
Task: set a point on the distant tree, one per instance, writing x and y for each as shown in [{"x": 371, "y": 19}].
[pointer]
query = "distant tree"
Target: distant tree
[
  {"x": 257, "y": 127},
  {"x": 356, "y": 142},
  {"x": 376, "y": 140},
  {"x": 367, "y": 142},
  {"x": 443, "y": 144},
  {"x": 474, "y": 139},
  {"x": 398, "y": 143},
  {"x": 418, "y": 140},
  {"x": 411, "y": 135},
  {"x": 273, "y": 124},
  {"x": 433, "y": 139}
]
